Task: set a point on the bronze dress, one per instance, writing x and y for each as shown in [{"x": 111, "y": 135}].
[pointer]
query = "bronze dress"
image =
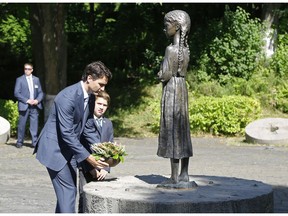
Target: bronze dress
[{"x": 174, "y": 137}]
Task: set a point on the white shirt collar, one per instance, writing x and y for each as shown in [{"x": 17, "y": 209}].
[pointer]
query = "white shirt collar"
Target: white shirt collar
[
  {"x": 84, "y": 91},
  {"x": 28, "y": 76},
  {"x": 95, "y": 117}
]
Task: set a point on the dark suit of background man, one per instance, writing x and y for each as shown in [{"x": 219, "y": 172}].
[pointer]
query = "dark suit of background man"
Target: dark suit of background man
[
  {"x": 58, "y": 147},
  {"x": 29, "y": 94}
]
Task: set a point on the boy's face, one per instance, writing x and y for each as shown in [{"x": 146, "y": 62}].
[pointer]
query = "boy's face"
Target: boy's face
[{"x": 101, "y": 106}]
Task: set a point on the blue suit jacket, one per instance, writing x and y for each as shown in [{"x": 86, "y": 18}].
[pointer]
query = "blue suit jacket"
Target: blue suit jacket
[
  {"x": 59, "y": 140},
  {"x": 93, "y": 134},
  {"x": 21, "y": 92}
]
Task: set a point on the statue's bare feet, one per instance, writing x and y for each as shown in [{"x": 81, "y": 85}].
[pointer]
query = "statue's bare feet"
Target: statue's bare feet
[
  {"x": 169, "y": 181},
  {"x": 183, "y": 178}
]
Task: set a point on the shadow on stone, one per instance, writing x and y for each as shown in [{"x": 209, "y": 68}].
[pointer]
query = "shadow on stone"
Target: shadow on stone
[{"x": 151, "y": 179}]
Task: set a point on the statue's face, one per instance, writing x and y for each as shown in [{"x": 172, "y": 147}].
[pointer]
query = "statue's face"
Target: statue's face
[{"x": 170, "y": 29}]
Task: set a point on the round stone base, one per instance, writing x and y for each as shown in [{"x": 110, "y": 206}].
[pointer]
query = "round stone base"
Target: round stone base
[
  {"x": 139, "y": 194},
  {"x": 4, "y": 130},
  {"x": 267, "y": 131}
]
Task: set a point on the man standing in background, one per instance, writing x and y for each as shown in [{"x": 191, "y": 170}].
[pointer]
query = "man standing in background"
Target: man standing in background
[{"x": 29, "y": 94}]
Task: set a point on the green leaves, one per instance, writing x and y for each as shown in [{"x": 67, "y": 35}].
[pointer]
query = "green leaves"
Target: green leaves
[
  {"x": 9, "y": 111},
  {"x": 227, "y": 115},
  {"x": 16, "y": 32},
  {"x": 108, "y": 150},
  {"x": 235, "y": 47}
]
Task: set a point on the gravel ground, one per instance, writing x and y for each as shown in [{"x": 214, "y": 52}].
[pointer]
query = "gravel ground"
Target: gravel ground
[{"x": 26, "y": 188}]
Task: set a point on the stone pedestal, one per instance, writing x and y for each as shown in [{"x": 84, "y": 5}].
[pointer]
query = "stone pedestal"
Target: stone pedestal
[
  {"x": 139, "y": 194},
  {"x": 4, "y": 130}
]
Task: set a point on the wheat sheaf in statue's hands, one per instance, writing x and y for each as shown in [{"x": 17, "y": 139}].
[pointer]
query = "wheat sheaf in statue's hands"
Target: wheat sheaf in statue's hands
[{"x": 112, "y": 152}]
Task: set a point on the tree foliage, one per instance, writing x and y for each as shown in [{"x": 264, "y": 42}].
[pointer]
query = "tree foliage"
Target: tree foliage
[
  {"x": 235, "y": 47},
  {"x": 224, "y": 41},
  {"x": 15, "y": 31}
]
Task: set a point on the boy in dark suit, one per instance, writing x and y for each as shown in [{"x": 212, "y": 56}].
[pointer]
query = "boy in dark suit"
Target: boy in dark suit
[
  {"x": 29, "y": 94},
  {"x": 98, "y": 129}
]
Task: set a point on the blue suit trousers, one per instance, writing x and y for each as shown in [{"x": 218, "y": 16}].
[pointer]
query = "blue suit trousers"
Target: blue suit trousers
[
  {"x": 32, "y": 113},
  {"x": 64, "y": 183}
]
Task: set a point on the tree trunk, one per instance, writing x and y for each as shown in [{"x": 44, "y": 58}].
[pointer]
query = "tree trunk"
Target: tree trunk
[
  {"x": 270, "y": 17},
  {"x": 49, "y": 47}
]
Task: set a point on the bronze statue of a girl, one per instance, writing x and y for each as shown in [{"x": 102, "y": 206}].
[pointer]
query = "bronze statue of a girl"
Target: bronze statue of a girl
[{"x": 174, "y": 137}]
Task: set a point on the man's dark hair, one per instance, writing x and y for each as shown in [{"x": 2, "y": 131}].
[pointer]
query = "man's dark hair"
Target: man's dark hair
[
  {"x": 96, "y": 70},
  {"x": 28, "y": 63}
]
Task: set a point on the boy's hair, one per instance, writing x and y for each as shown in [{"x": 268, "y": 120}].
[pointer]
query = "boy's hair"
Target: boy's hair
[
  {"x": 105, "y": 96},
  {"x": 96, "y": 70}
]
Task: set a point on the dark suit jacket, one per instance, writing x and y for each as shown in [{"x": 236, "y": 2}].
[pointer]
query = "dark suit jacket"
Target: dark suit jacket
[
  {"x": 21, "y": 92},
  {"x": 59, "y": 140},
  {"x": 93, "y": 134}
]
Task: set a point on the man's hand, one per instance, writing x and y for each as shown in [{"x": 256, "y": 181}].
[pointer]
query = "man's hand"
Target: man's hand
[
  {"x": 32, "y": 102},
  {"x": 96, "y": 164},
  {"x": 35, "y": 102}
]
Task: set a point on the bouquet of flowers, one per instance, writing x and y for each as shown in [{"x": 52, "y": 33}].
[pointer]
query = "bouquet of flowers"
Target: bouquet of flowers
[{"x": 109, "y": 151}]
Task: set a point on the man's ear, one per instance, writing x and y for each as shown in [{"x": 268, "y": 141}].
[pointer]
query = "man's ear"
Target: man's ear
[{"x": 89, "y": 78}]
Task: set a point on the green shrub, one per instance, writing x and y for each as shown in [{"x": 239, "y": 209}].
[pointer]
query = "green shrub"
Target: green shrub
[
  {"x": 154, "y": 107},
  {"x": 228, "y": 115},
  {"x": 9, "y": 111},
  {"x": 279, "y": 60},
  {"x": 235, "y": 48},
  {"x": 281, "y": 99}
]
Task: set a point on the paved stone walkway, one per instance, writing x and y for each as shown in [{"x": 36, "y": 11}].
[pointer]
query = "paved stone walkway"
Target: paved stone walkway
[{"x": 26, "y": 188}]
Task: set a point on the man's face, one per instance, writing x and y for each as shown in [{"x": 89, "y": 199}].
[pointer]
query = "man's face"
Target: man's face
[
  {"x": 98, "y": 85},
  {"x": 101, "y": 106},
  {"x": 28, "y": 70}
]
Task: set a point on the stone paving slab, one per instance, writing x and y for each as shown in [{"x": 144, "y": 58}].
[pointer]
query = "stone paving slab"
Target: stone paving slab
[{"x": 26, "y": 188}]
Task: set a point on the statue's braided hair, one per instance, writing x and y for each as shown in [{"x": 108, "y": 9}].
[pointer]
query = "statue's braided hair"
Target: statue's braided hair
[{"x": 182, "y": 18}]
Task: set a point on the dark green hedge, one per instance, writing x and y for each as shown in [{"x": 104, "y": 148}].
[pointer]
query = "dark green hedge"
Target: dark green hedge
[{"x": 9, "y": 111}]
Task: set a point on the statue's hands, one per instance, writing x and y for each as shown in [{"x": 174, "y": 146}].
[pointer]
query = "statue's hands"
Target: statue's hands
[{"x": 159, "y": 74}]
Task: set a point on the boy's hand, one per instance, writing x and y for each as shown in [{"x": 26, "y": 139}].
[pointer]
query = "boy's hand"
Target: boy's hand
[{"x": 99, "y": 175}]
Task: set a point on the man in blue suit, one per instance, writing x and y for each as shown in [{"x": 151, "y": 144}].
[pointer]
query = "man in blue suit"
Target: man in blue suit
[
  {"x": 58, "y": 147},
  {"x": 29, "y": 94}
]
